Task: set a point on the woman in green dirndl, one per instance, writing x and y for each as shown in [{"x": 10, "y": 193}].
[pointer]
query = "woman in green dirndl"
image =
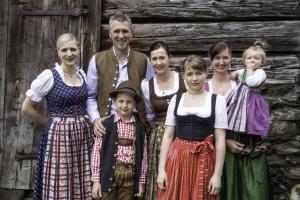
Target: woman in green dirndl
[{"x": 245, "y": 172}]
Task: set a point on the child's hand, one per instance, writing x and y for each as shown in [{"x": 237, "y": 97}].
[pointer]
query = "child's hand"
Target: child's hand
[
  {"x": 162, "y": 179},
  {"x": 214, "y": 185},
  {"x": 141, "y": 190},
  {"x": 96, "y": 191},
  {"x": 233, "y": 75},
  {"x": 250, "y": 67}
]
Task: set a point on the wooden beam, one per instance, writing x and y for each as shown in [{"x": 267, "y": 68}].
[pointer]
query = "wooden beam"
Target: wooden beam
[
  {"x": 282, "y": 36},
  {"x": 205, "y": 10}
]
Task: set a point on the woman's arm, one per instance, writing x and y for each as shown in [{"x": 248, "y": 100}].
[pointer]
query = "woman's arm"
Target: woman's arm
[
  {"x": 215, "y": 181},
  {"x": 168, "y": 138},
  {"x": 220, "y": 150},
  {"x": 255, "y": 78},
  {"x": 29, "y": 108}
]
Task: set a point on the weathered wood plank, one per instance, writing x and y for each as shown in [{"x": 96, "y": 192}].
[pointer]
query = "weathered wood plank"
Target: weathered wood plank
[
  {"x": 91, "y": 29},
  {"x": 16, "y": 174},
  {"x": 282, "y": 36},
  {"x": 3, "y": 53},
  {"x": 31, "y": 49},
  {"x": 191, "y": 10}
]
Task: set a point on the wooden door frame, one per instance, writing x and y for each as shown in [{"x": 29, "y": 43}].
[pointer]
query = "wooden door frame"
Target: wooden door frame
[
  {"x": 3, "y": 54},
  {"x": 89, "y": 35}
]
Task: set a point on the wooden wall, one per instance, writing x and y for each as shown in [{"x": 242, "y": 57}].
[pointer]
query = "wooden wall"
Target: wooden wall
[
  {"x": 192, "y": 26},
  {"x": 29, "y": 28}
]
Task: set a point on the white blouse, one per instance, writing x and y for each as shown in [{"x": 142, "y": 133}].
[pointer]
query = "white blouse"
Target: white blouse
[
  {"x": 160, "y": 93},
  {"x": 255, "y": 79},
  {"x": 41, "y": 86},
  {"x": 203, "y": 111},
  {"x": 211, "y": 89}
]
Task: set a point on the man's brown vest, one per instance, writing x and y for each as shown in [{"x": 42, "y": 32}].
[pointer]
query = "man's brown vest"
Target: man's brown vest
[{"x": 108, "y": 73}]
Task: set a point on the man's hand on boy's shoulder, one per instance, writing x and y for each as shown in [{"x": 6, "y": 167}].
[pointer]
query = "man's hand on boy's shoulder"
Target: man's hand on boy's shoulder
[{"x": 99, "y": 129}]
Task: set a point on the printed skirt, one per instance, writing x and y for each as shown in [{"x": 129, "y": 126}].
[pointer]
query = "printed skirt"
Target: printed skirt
[
  {"x": 63, "y": 165},
  {"x": 248, "y": 112},
  {"x": 154, "y": 151},
  {"x": 189, "y": 167}
]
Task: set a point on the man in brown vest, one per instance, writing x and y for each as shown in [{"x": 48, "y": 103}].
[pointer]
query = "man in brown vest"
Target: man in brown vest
[{"x": 107, "y": 69}]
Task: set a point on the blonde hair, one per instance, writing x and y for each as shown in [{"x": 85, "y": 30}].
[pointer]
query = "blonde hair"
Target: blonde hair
[
  {"x": 259, "y": 47},
  {"x": 194, "y": 62},
  {"x": 66, "y": 37}
]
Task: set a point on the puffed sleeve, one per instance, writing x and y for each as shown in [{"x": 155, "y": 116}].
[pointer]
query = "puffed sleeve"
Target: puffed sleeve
[
  {"x": 221, "y": 113},
  {"x": 40, "y": 86},
  {"x": 257, "y": 78},
  {"x": 170, "y": 118},
  {"x": 145, "y": 89}
]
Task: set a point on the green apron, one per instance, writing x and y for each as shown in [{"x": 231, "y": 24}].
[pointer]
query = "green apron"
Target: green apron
[{"x": 244, "y": 178}]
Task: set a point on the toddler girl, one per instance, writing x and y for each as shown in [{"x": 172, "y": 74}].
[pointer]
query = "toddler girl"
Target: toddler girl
[{"x": 248, "y": 111}]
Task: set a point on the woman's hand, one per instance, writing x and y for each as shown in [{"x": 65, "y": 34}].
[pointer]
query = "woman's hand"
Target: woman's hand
[
  {"x": 214, "y": 185},
  {"x": 234, "y": 146},
  {"x": 96, "y": 190},
  {"x": 162, "y": 179}
]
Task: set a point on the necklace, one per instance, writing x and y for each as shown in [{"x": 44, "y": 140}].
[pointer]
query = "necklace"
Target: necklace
[
  {"x": 221, "y": 88},
  {"x": 71, "y": 78},
  {"x": 73, "y": 71},
  {"x": 165, "y": 85},
  {"x": 71, "y": 75}
]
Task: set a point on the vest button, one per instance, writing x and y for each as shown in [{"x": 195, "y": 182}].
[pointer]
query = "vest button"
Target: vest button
[
  {"x": 109, "y": 189},
  {"x": 113, "y": 167},
  {"x": 107, "y": 106},
  {"x": 115, "y": 155},
  {"x": 113, "y": 85},
  {"x": 110, "y": 178},
  {"x": 109, "y": 99},
  {"x": 116, "y": 143}
]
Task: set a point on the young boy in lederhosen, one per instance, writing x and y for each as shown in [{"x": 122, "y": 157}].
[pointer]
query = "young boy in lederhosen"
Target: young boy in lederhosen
[{"x": 119, "y": 157}]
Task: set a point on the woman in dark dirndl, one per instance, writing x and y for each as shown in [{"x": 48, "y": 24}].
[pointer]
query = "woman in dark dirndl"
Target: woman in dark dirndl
[{"x": 63, "y": 163}]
